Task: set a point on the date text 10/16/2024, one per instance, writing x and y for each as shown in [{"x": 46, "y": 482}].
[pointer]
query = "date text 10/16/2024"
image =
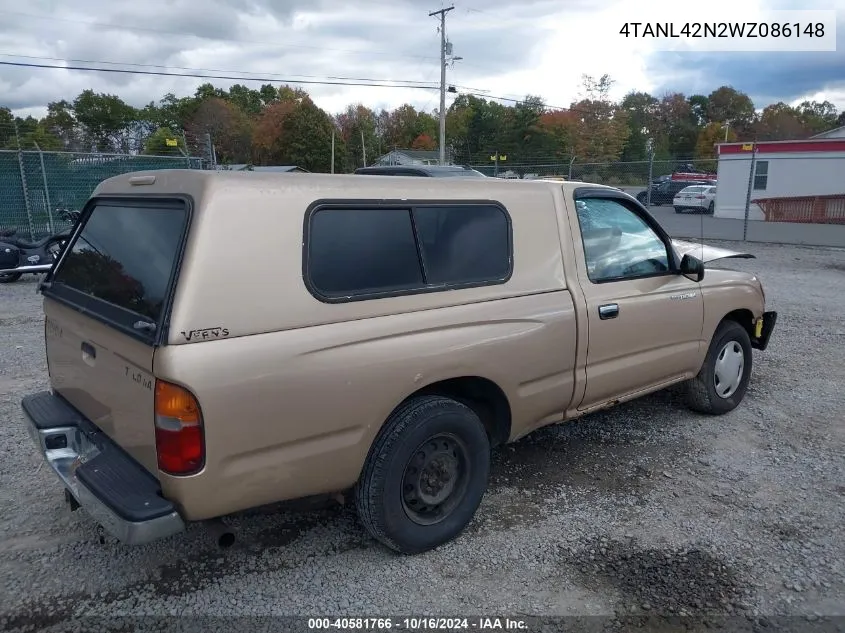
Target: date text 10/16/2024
[{"x": 418, "y": 624}]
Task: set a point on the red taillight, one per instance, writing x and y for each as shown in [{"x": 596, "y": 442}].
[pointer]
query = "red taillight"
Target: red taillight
[
  {"x": 180, "y": 444},
  {"x": 700, "y": 197}
]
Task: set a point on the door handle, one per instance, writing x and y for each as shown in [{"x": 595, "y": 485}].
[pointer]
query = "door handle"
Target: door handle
[
  {"x": 89, "y": 350},
  {"x": 609, "y": 311}
]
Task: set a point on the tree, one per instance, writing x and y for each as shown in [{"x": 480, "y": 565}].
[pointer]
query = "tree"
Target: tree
[
  {"x": 295, "y": 133},
  {"x": 405, "y": 124},
  {"x": 106, "y": 120},
  {"x": 699, "y": 106},
  {"x": 641, "y": 110},
  {"x": 603, "y": 128},
  {"x": 61, "y": 123},
  {"x": 164, "y": 142},
  {"x": 230, "y": 130},
  {"x": 679, "y": 130},
  {"x": 246, "y": 99},
  {"x": 726, "y": 104},
  {"x": 562, "y": 129},
  {"x": 7, "y": 129},
  {"x": 424, "y": 141},
  {"x": 357, "y": 125},
  {"x": 780, "y": 122},
  {"x": 817, "y": 116},
  {"x": 710, "y": 135}
]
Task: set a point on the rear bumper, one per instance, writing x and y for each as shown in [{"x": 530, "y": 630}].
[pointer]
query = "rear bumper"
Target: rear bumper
[
  {"x": 761, "y": 341},
  {"x": 108, "y": 484}
]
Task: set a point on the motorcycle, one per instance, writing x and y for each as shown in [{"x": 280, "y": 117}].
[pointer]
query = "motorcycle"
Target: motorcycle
[{"x": 19, "y": 256}]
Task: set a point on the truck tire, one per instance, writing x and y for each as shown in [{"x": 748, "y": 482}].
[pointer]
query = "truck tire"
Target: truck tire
[
  {"x": 722, "y": 381},
  {"x": 425, "y": 475},
  {"x": 9, "y": 278}
]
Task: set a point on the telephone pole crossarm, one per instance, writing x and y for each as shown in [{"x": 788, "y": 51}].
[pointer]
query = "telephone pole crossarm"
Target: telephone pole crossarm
[{"x": 442, "y": 140}]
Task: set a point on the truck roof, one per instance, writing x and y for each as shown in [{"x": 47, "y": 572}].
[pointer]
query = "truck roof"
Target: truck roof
[{"x": 194, "y": 181}]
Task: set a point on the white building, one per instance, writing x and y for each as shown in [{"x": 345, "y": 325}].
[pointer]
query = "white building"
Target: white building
[{"x": 782, "y": 169}]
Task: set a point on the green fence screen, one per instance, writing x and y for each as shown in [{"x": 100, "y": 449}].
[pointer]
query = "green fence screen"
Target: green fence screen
[{"x": 34, "y": 185}]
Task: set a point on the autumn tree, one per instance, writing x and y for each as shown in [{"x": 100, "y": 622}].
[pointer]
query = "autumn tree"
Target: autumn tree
[
  {"x": 229, "y": 128},
  {"x": 562, "y": 129},
  {"x": 780, "y": 122},
  {"x": 709, "y": 136},
  {"x": 357, "y": 126},
  {"x": 295, "y": 132},
  {"x": 424, "y": 141},
  {"x": 603, "y": 128},
  {"x": 405, "y": 124},
  {"x": 726, "y": 104}
]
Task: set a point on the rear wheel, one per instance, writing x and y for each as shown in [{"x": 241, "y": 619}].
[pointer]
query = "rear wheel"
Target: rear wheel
[
  {"x": 678, "y": 210},
  {"x": 722, "y": 381},
  {"x": 8, "y": 278},
  {"x": 711, "y": 208},
  {"x": 425, "y": 475}
]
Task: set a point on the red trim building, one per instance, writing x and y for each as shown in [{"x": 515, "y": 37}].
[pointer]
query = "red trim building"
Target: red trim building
[{"x": 806, "y": 171}]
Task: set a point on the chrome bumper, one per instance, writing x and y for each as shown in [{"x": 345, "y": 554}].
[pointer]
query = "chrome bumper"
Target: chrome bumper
[{"x": 65, "y": 448}]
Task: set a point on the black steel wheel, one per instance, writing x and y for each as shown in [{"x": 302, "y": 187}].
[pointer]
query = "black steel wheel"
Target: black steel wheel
[
  {"x": 436, "y": 479},
  {"x": 425, "y": 474}
]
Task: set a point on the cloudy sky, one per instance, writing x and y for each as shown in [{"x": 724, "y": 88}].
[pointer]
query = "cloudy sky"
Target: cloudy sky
[{"x": 508, "y": 49}]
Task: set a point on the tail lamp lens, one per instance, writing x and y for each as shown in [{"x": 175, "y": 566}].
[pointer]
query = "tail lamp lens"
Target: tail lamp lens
[{"x": 178, "y": 430}]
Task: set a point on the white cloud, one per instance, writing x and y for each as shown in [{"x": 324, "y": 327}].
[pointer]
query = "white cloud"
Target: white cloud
[{"x": 539, "y": 47}]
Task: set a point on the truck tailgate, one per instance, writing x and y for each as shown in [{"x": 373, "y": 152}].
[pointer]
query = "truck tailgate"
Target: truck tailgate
[{"x": 106, "y": 376}]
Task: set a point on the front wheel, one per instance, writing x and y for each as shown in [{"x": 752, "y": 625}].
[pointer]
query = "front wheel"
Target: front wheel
[
  {"x": 425, "y": 475},
  {"x": 722, "y": 381},
  {"x": 9, "y": 278},
  {"x": 711, "y": 208}
]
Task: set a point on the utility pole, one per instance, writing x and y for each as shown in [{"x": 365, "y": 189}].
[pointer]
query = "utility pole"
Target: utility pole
[{"x": 442, "y": 13}]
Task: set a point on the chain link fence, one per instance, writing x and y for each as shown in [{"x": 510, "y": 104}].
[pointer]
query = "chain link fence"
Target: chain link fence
[
  {"x": 784, "y": 198},
  {"x": 35, "y": 185}
]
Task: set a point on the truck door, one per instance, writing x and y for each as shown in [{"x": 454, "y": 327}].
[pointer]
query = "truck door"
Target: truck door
[{"x": 644, "y": 317}]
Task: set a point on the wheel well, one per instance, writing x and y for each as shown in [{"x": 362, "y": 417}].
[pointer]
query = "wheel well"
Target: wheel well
[
  {"x": 744, "y": 317},
  {"x": 483, "y": 396}
]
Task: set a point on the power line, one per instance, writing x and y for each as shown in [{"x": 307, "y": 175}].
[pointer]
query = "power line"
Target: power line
[
  {"x": 218, "y": 70},
  {"x": 368, "y": 83},
  {"x": 202, "y": 70}
]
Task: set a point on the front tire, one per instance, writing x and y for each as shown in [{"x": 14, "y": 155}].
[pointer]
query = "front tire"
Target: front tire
[
  {"x": 425, "y": 475},
  {"x": 711, "y": 208},
  {"x": 722, "y": 381}
]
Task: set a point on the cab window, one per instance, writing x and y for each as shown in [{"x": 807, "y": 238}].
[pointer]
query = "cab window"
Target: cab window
[{"x": 618, "y": 244}]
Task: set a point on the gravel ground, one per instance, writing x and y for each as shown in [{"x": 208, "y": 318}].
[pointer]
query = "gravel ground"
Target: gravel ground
[{"x": 647, "y": 510}]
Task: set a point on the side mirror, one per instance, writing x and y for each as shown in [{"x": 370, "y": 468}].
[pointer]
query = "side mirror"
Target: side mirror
[{"x": 692, "y": 267}]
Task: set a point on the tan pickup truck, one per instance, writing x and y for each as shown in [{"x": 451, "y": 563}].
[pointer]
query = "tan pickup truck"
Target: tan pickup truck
[{"x": 373, "y": 337}]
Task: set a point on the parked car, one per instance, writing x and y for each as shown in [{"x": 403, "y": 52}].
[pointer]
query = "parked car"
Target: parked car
[
  {"x": 665, "y": 192},
  {"x": 698, "y": 198},
  {"x": 430, "y": 171},
  {"x": 400, "y": 331}
]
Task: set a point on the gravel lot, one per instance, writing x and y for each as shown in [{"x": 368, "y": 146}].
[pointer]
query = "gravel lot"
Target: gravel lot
[{"x": 645, "y": 509}]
